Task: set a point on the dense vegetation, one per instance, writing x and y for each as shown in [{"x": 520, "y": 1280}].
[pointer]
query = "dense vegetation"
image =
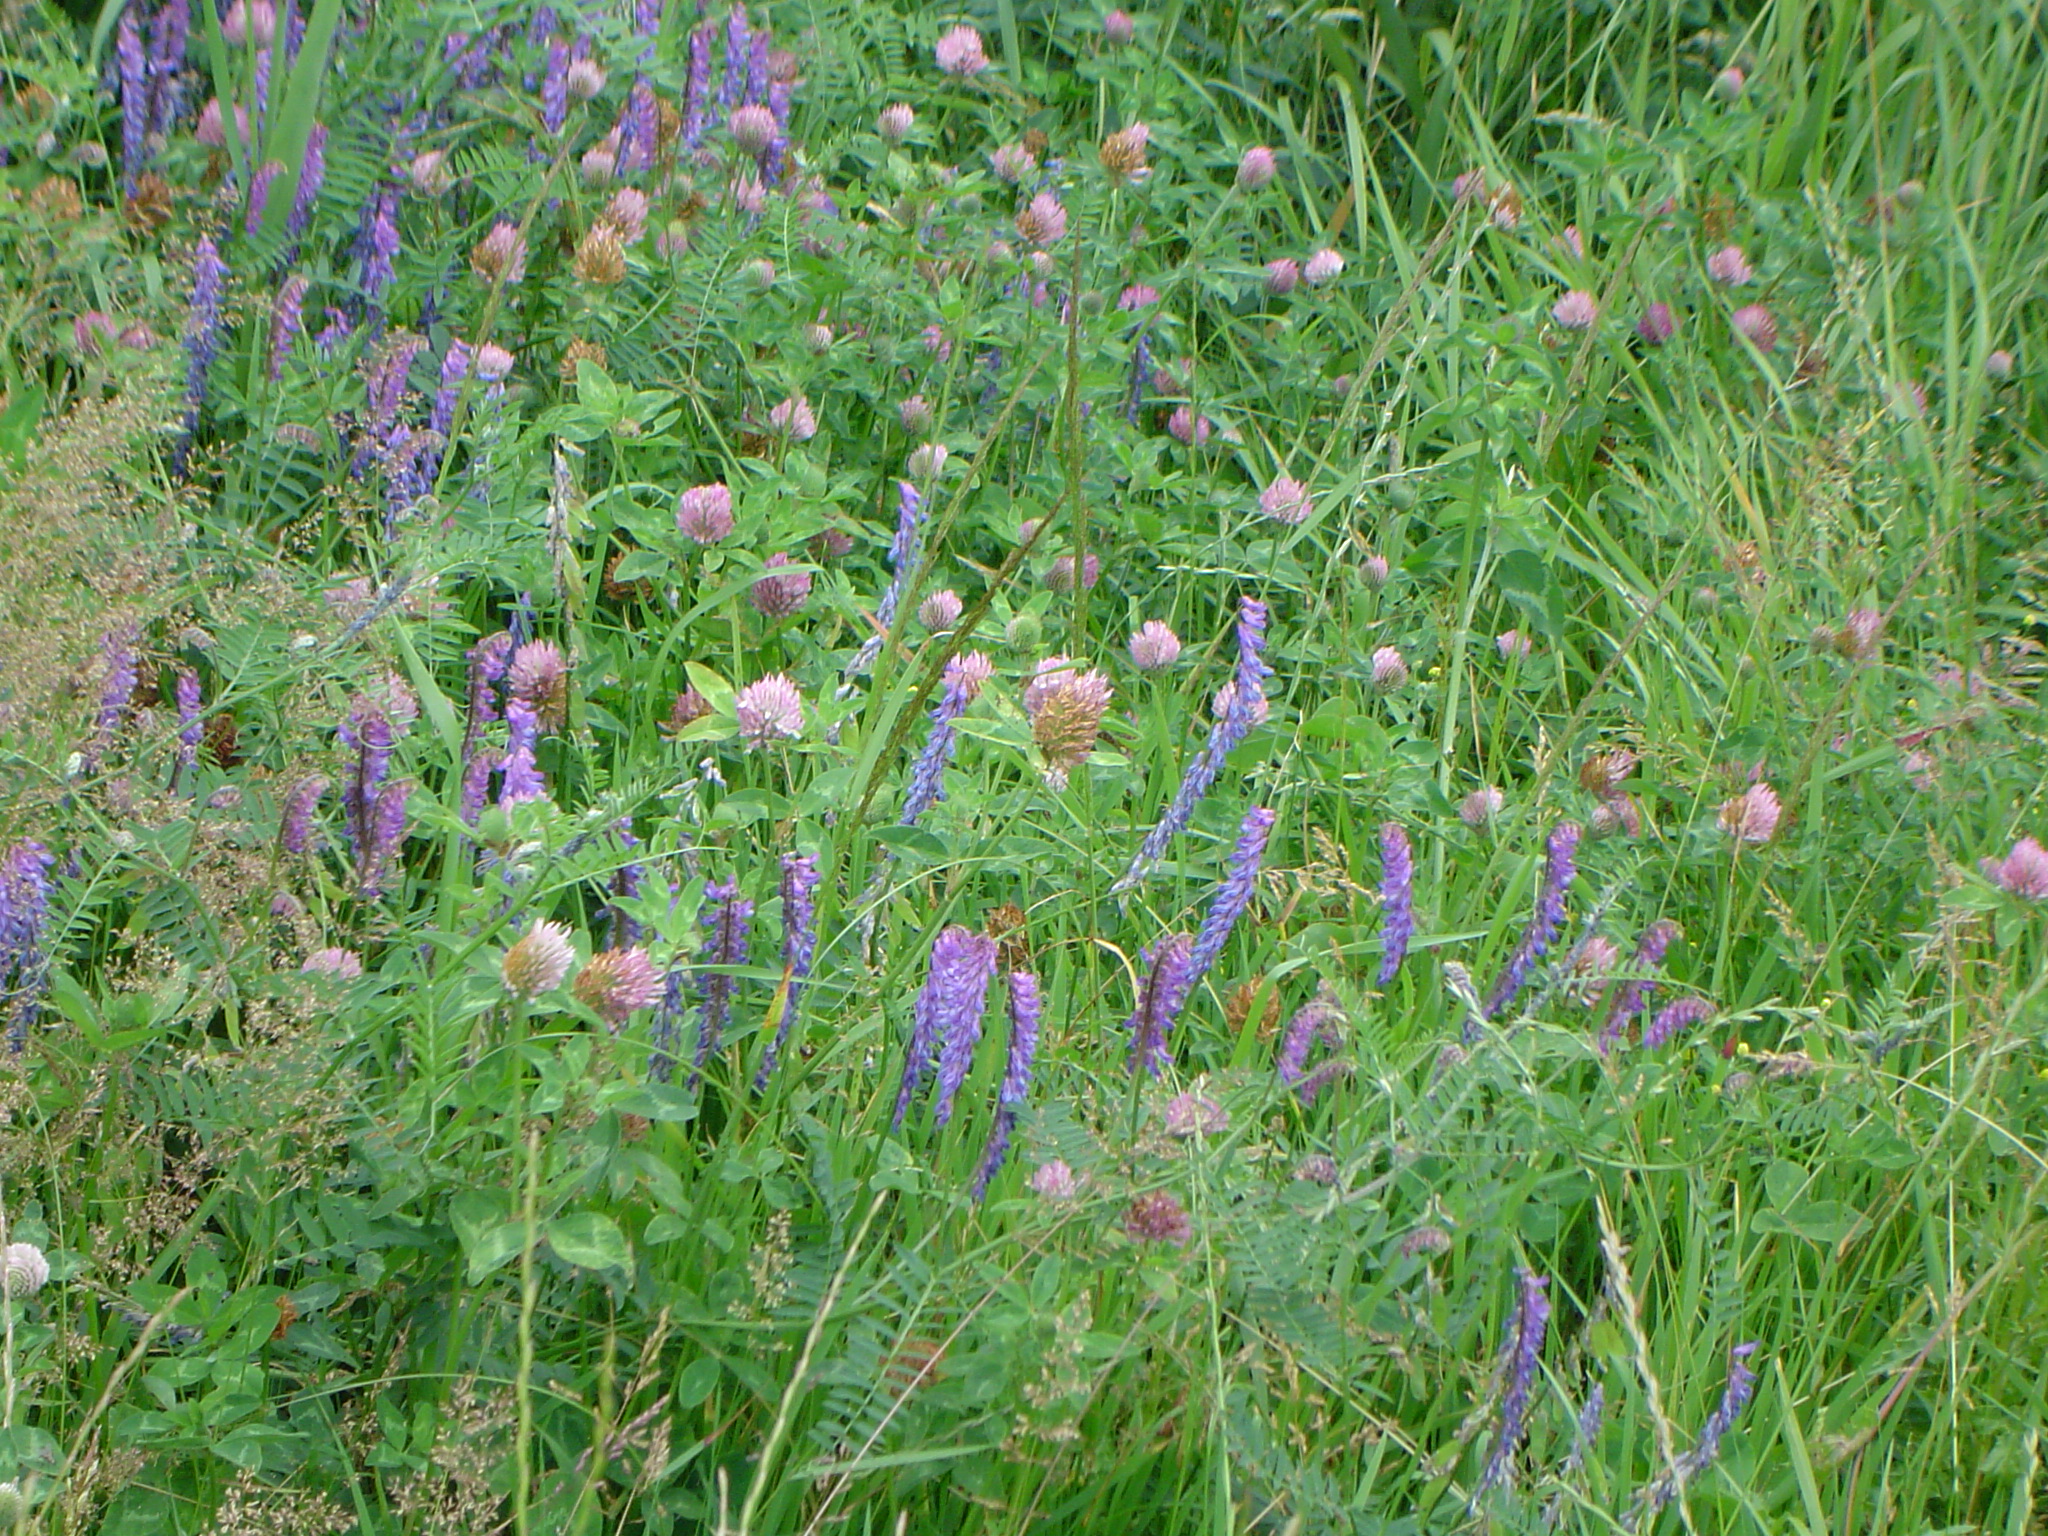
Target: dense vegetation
[{"x": 842, "y": 767}]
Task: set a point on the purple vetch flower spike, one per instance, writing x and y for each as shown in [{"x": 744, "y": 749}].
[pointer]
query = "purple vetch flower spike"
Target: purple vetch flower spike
[
  {"x": 379, "y": 243},
  {"x": 202, "y": 339},
  {"x": 168, "y": 35},
  {"x": 1524, "y": 1356},
  {"x": 1233, "y": 892},
  {"x": 1141, "y": 374},
  {"x": 1634, "y": 992},
  {"x": 1247, "y": 701},
  {"x": 259, "y": 196},
  {"x": 312, "y": 176},
  {"x": 647, "y": 17},
  {"x": 972, "y": 968},
  {"x": 1315, "y": 1018},
  {"x": 927, "y": 775},
  {"x": 1674, "y": 1019},
  {"x": 489, "y": 659},
  {"x": 189, "y": 723},
  {"x": 523, "y": 779},
  {"x": 477, "y": 769},
  {"x": 132, "y": 69},
  {"x": 455, "y": 368},
  {"x": 1735, "y": 1396},
  {"x": 295, "y": 821},
  {"x": 554, "y": 88},
  {"x": 667, "y": 1029},
  {"x": 387, "y": 835},
  {"x": 799, "y": 949},
  {"x": 1397, "y": 900},
  {"x": 120, "y": 675},
  {"x": 726, "y": 920},
  {"x": 287, "y": 322},
  {"x": 1168, "y": 976},
  {"x": 737, "y": 37},
  {"x": 1559, "y": 870},
  {"x": 697, "y": 88},
  {"x": 621, "y": 931},
  {"x": 1584, "y": 1431},
  {"x": 904, "y": 549},
  {"x": 639, "y": 129},
  {"x": 1025, "y": 1008},
  {"x": 958, "y": 955},
  {"x": 756, "y": 92},
  {"x": 24, "y": 917}
]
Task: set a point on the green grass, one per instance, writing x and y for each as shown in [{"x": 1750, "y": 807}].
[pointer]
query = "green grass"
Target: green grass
[{"x": 403, "y": 1253}]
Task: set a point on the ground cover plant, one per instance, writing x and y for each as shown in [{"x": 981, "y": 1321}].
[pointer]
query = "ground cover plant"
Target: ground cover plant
[{"x": 843, "y": 767}]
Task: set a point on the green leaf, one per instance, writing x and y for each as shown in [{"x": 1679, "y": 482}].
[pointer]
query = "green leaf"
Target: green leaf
[
  {"x": 589, "y": 1241},
  {"x": 494, "y": 1247}
]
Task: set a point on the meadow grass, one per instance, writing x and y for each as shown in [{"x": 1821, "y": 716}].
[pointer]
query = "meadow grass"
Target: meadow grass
[{"x": 572, "y": 917}]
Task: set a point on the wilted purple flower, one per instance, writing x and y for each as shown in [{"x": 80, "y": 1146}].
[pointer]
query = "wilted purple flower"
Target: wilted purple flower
[
  {"x": 1481, "y": 806},
  {"x": 1024, "y": 1016},
  {"x": 295, "y": 822},
  {"x": 727, "y": 918},
  {"x": 1576, "y": 311},
  {"x": 1752, "y": 816},
  {"x": 1233, "y": 892},
  {"x": 500, "y": 257},
  {"x": 1657, "y": 325},
  {"x": 780, "y": 593},
  {"x": 2022, "y": 872},
  {"x": 132, "y": 70},
  {"x": 617, "y": 983},
  {"x": 799, "y": 948},
  {"x": 1524, "y": 1357},
  {"x": 1224, "y": 737},
  {"x": 1158, "y": 1217},
  {"x": 704, "y": 513},
  {"x": 1184, "y": 426},
  {"x": 1066, "y": 705},
  {"x": 538, "y": 961},
  {"x": 959, "y": 51},
  {"x": 1042, "y": 222},
  {"x": 24, "y": 917},
  {"x": 769, "y": 709},
  {"x": 1674, "y": 1019},
  {"x": 345, "y": 964},
  {"x": 1281, "y": 276},
  {"x": 1322, "y": 267},
  {"x": 1397, "y": 900},
  {"x": 538, "y": 677},
  {"x": 1628, "y": 1001},
  {"x": 1154, "y": 647},
  {"x": 1559, "y": 871},
  {"x": 1754, "y": 324},
  {"x": 1730, "y": 267},
  {"x": 948, "y": 1009},
  {"x": 287, "y": 322}
]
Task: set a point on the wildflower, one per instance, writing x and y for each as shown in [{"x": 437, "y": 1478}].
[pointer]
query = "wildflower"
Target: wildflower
[
  {"x": 1728, "y": 85},
  {"x": 1861, "y": 636},
  {"x": 24, "y": 914},
  {"x": 1674, "y": 1019},
  {"x": 386, "y": 836},
  {"x": 794, "y": 420},
  {"x": 132, "y": 70},
  {"x": 926, "y": 462},
  {"x": 2022, "y": 872},
  {"x": 1053, "y": 1181},
  {"x": 1389, "y": 670},
  {"x": 1225, "y": 736},
  {"x": 91, "y": 331},
  {"x": 617, "y": 983},
  {"x": 1377, "y": 571},
  {"x": 1060, "y": 577},
  {"x": 1123, "y": 155},
  {"x": 1316, "y": 1019},
  {"x": 1042, "y": 222},
  {"x": 202, "y": 333},
  {"x": 287, "y": 322},
  {"x": 1590, "y": 965},
  {"x": 1233, "y": 892},
  {"x": 585, "y": 80},
  {"x": 769, "y": 710},
  {"x": 916, "y": 415},
  {"x": 380, "y": 240},
  {"x": 1559, "y": 871},
  {"x": 1481, "y": 806},
  {"x": 295, "y": 824},
  {"x": 1424, "y": 1241},
  {"x": 1729, "y": 267},
  {"x": 626, "y": 212},
  {"x": 1735, "y": 1396},
  {"x": 1184, "y": 426},
  {"x": 1024, "y": 1010},
  {"x": 1011, "y": 163},
  {"x": 759, "y": 273},
  {"x": 1505, "y": 209},
  {"x": 1323, "y": 266},
  {"x": 1154, "y": 647},
  {"x": 752, "y": 129},
  {"x": 500, "y": 257},
  {"x": 1998, "y": 366},
  {"x": 959, "y": 52},
  {"x": 1657, "y": 325},
  {"x": 1137, "y": 296},
  {"x": 1226, "y": 699},
  {"x": 1168, "y": 976},
  {"x": 1195, "y": 1114},
  {"x": 940, "y": 610},
  {"x": 927, "y": 785},
  {"x": 1513, "y": 645},
  {"x": 600, "y": 256},
  {"x": 895, "y": 123},
  {"x": 1066, "y": 716},
  {"x": 1603, "y": 773},
  {"x": 344, "y": 963},
  {"x": 538, "y": 960},
  {"x": 1571, "y": 241},
  {"x": 538, "y": 677},
  {"x": 212, "y": 132},
  {"x": 1158, "y": 1218},
  {"x": 23, "y": 1269},
  {"x": 1468, "y": 185},
  {"x": 799, "y": 948},
  {"x": 1118, "y": 29},
  {"x": 188, "y": 716},
  {"x": 704, "y": 513},
  {"x": 1752, "y": 816},
  {"x": 781, "y": 593},
  {"x": 727, "y": 918},
  {"x": 1576, "y": 311},
  {"x": 946, "y": 1018},
  {"x": 1286, "y": 500},
  {"x": 1256, "y": 168},
  {"x": 1617, "y": 814},
  {"x": 1281, "y": 276},
  {"x": 429, "y": 174},
  {"x": 1524, "y": 1352},
  {"x": 1753, "y": 323},
  {"x": 1317, "y": 1168},
  {"x": 1397, "y": 900},
  {"x": 522, "y": 776}
]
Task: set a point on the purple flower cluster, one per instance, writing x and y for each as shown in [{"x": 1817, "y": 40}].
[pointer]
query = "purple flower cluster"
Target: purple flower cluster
[
  {"x": 1674, "y": 1019},
  {"x": 1559, "y": 871},
  {"x": 202, "y": 339},
  {"x": 1169, "y": 974},
  {"x": 118, "y": 680},
  {"x": 727, "y": 918},
  {"x": 295, "y": 820},
  {"x": 1247, "y": 701},
  {"x": 1397, "y": 900},
  {"x": 1315, "y": 1020},
  {"x": 1233, "y": 892},
  {"x": 799, "y": 949},
  {"x": 189, "y": 723},
  {"x": 24, "y": 920},
  {"x": 1524, "y": 1356},
  {"x": 946, "y": 1014},
  {"x": 132, "y": 68},
  {"x": 1025, "y": 1007},
  {"x": 1735, "y": 1395},
  {"x": 1642, "y": 980},
  {"x": 927, "y": 774}
]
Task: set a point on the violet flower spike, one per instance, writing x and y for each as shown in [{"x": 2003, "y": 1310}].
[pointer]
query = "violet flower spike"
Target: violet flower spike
[
  {"x": 1628, "y": 1002},
  {"x": 1674, "y": 1019},
  {"x": 202, "y": 339},
  {"x": 1735, "y": 1396},
  {"x": 1559, "y": 871},
  {"x": 1524, "y": 1350},
  {"x": 958, "y": 956},
  {"x": 1314, "y": 1018},
  {"x": 1168, "y": 976},
  {"x": 1247, "y": 697},
  {"x": 189, "y": 723},
  {"x": 1397, "y": 900},
  {"x": 312, "y": 175},
  {"x": 666, "y": 1029},
  {"x": 387, "y": 834},
  {"x": 117, "y": 690},
  {"x": 621, "y": 932},
  {"x": 1584, "y": 1431},
  {"x": 379, "y": 243},
  {"x": 737, "y": 37},
  {"x": 725, "y": 944},
  {"x": 132, "y": 69},
  {"x": 554, "y": 88},
  {"x": 477, "y": 769},
  {"x": 24, "y": 917},
  {"x": 960, "y": 1023},
  {"x": 799, "y": 948},
  {"x": 455, "y": 368},
  {"x": 287, "y": 322},
  {"x": 523, "y": 779},
  {"x": 168, "y": 35},
  {"x": 903, "y": 556},
  {"x": 1025, "y": 1008},
  {"x": 295, "y": 821},
  {"x": 259, "y": 196},
  {"x": 927, "y": 776},
  {"x": 697, "y": 88},
  {"x": 1233, "y": 892}
]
